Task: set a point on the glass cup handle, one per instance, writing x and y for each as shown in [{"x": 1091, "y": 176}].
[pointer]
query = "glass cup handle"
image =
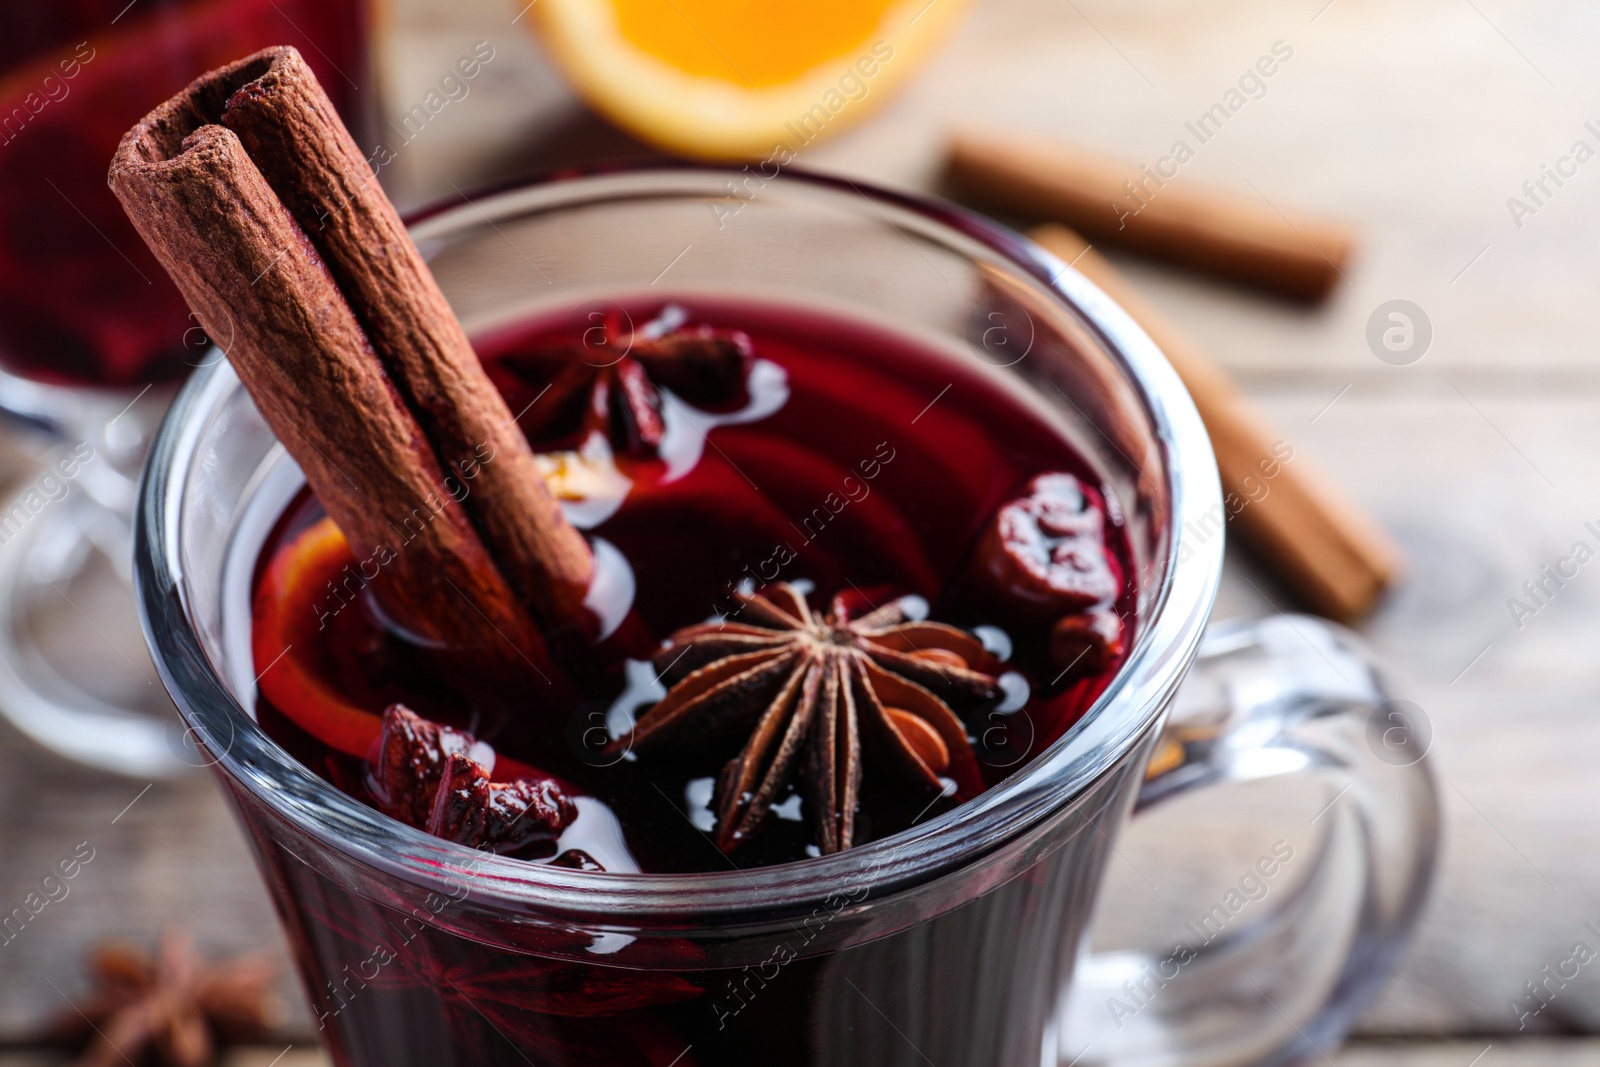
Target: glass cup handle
[{"x": 1288, "y": 695}]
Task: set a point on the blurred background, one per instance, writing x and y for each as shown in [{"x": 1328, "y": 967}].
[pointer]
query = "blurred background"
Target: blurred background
[{"x": 1432, "y": 128}]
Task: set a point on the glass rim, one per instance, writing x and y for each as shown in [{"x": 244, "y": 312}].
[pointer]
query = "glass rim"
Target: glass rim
[{"x": 1107, "y": 732}]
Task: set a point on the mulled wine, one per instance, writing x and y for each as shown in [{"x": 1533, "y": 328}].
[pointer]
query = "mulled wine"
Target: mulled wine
[
  {"x": 757, "y": 482},
  {"x": 82, "y": 300},
  {"x": 787, "y": 462},
  {"x": 616, "y": 597}
]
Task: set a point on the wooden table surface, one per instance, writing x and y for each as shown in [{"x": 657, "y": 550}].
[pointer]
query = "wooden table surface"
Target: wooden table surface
[{"x": 1417, "y": 122}]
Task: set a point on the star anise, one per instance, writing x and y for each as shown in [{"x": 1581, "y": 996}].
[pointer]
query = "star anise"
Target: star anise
[
  {"x": 615, "y": 385},
  {"x": 433, "y": 777},
  {"x": 174, "y": 1009},
  {"x": 830, "y": 688}
]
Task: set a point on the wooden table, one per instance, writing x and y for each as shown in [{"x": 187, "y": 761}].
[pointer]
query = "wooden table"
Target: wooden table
[
  {"x": 1569, "y": 1053},
  {"x": 1415, "y": 121}
]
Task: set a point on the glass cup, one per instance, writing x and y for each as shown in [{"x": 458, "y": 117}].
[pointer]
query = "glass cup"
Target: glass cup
[
  {"x": 959, "y": 941},
  {"x": 93, "y": 338}
]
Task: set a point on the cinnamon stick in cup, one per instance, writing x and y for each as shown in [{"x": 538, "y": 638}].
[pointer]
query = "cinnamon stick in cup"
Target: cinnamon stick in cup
[
  {"x": 1172, "y": 218},
  {"x": 262, "y": 292},
  {"x": 1314, "y": 539},
  {"x": 288, "y": 126}
]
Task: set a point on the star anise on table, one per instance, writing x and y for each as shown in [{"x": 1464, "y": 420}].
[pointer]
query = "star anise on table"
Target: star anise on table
[
  {"x": 819, "y": 695},
  {"x": 174, "y": 1009},
  {"x": 615, "y": 385}
]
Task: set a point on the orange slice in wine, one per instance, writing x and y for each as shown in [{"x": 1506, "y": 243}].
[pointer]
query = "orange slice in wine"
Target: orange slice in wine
[{"x": 289, "y": 642}]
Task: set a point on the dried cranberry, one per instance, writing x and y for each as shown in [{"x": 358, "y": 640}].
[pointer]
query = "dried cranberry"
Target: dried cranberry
[
  {"x": 613, "y": 383},
  {"x": 635, "y": 408},
  {"x": 1086, "y": 643},
  {"x": 460, "y": 803},
  {"x": 411, "y": 758},
  {"x": 433, "y": 777},
  {"x": 706, "y": 367},
  {"x": 525, "y": 811},
  {"x": 1046, "y": 551},
  {"x": 578, "y": 860}
]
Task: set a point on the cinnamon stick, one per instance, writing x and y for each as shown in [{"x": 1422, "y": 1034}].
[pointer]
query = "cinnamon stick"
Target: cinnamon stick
[
  {"x": 290, "y": 129},
  {"x": 1173, "y": 218},
  {"x": 1313, "y": 538},
  {"x": 261, "y": 291}
]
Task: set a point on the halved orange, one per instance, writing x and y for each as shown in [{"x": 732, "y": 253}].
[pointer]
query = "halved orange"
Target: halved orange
[{"x": 739, "y": 79}]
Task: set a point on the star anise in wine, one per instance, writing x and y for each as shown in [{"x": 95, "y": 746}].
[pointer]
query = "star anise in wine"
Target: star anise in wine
[
  {"x": 433, "y": 777},
  {"x": 174, "y": 1010},
  {"x": 816, "y": 695},
  {"x": 615, "y": 385}
]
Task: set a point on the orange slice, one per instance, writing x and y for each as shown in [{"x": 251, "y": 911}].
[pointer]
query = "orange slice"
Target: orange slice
[
  {"x": 297, "y": 656},
  {"x": 288, "y": 646},
  {"x": 739, "y": 79}
]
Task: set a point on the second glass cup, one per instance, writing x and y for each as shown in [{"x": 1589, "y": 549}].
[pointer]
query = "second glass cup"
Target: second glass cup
[{"x": 94, "y": 338}]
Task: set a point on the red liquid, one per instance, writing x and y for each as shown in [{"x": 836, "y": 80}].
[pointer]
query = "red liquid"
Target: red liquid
[
  {"x": 82, "y": 300},
  {"x": 860, "y": 478},
  {"x": 951, "y": 444}
]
